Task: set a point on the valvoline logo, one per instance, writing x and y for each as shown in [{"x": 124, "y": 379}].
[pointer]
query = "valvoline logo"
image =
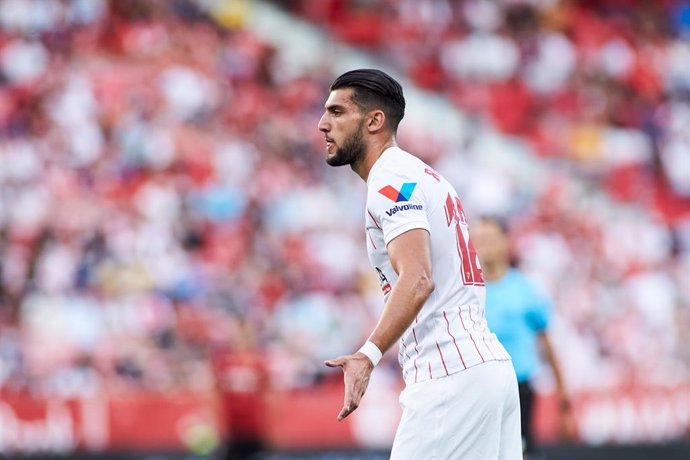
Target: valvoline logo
[{"x": 404, "y": 194}]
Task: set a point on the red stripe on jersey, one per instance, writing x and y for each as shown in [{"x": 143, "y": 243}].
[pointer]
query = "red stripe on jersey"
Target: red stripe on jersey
[
  {"x": 486, "y": 345},
  {"x": 414, "y": 334},
  {"x": 468, "y": 332},
  {"x": 454, "y": 342},
  {"x": 374, "y": 220},
  {"x": 430, "y": 376},
  {"x": 474, "y": 323},
  {"x": 442, "y": 360},
  {"x": 371, "y": 239},
  {"x": 491, "y": 348}
]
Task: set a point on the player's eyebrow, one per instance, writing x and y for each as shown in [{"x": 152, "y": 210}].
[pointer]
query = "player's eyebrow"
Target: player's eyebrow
[{"x": 333, "y": 107}]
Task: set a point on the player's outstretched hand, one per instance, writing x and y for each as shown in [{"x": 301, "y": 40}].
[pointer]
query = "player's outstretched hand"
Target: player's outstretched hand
[{"x": 356, "y": 371}]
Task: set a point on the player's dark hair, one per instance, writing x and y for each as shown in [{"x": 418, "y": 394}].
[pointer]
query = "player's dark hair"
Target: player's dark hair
[{"x": 374, "y": 89}]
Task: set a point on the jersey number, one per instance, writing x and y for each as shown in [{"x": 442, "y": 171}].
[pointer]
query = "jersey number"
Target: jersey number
[{"x": 470, "y": 269}]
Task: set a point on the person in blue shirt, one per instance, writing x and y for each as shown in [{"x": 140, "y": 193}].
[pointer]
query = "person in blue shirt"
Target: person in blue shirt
[{"x": 519, "y": 314}]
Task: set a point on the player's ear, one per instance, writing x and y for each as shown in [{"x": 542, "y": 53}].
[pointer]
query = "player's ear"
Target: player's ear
[{"x": 376, "y": 120}]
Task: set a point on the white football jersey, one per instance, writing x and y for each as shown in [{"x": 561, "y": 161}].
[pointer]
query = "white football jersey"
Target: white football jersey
[{"x": 450, "y": 332}]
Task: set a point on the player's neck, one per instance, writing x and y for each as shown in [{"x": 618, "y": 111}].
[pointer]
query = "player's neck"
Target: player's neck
[
  {"x": 373, "y": 153},
  {"x": 494, "y": 272}
]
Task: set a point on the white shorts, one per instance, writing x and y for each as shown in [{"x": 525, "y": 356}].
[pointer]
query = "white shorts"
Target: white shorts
[{"x": 473, "y": 414}]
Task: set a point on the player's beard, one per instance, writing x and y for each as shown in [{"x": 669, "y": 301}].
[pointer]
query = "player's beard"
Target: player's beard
[{"x": 352, "y": 150}]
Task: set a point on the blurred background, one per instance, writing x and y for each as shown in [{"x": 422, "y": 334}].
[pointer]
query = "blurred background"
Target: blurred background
[{"x": 177, "y": 260}]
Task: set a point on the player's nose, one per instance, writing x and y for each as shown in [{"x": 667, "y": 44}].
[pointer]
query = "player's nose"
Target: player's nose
[{"x": 323, "y": 125}]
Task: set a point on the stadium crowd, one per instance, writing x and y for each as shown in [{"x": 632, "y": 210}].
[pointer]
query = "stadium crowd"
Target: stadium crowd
[
  {"x": 162, "y": 182},
  {"x": 601, "y": 85}
]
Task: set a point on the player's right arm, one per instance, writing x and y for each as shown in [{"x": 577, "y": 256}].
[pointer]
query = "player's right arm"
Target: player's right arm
[{"x": 410, "y": 255}]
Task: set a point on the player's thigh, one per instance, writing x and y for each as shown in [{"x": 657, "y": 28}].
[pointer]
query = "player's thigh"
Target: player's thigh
[
  {"x": 475, "y": 413},
  {"x": 419, "y": 432},
  {"x": 510, "y": 447},
  {"x": 459, "y": 416}
]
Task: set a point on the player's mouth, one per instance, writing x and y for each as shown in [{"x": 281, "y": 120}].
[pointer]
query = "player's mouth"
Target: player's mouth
[{"x": 329, "y": 142}]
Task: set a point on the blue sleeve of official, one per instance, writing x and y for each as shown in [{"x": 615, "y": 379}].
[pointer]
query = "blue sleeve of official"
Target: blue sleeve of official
[{"x": 539, "y": 311}]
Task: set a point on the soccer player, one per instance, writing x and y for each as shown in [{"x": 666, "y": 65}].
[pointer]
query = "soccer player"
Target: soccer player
[
  {"x": 519, "y": 315},
  {"x": 460, "y": 399}
]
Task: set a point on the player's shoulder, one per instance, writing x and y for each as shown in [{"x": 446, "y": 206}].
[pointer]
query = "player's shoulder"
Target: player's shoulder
[
  {"x": 399, "y": 165},
  {"x": 395, "y": 179},
  {"x": 388, "y": 170}
]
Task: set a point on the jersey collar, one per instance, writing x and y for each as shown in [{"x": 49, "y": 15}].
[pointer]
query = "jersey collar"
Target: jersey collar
[{"x": 380, "y": 160}]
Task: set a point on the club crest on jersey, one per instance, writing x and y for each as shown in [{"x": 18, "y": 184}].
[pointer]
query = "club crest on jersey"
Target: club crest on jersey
[
  {"x": 404, "y": 194},
  {"x": 385, "y": 285}
]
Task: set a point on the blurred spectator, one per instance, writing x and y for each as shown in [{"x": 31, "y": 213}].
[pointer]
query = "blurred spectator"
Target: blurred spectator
[{"x": 243, "y": 383}]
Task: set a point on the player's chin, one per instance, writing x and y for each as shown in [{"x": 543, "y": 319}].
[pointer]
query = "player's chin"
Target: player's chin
[{"x": 332, "y": 159}]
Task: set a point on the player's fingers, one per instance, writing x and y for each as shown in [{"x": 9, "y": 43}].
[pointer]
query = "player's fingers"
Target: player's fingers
[
  {"x": 344, "y": 412},
  {"x": 335, "y": 362},
  {"x": 347, "y": 410},
  {"x": 359, "y": 387},
  {"x": 347, "y": 405},
  {"x": 348, "y": 397},
  {"x": 355, "y": 386},
  {"x": 357, "y": 395}
]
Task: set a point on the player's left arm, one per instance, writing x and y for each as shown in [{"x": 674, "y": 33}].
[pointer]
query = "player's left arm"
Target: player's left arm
[{"x": 410, "y": 255}]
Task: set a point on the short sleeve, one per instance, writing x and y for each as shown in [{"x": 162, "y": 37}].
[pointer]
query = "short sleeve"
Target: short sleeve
[
  {"x": 398, "y": 205},
  {"x": 539, "y": 310}
]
